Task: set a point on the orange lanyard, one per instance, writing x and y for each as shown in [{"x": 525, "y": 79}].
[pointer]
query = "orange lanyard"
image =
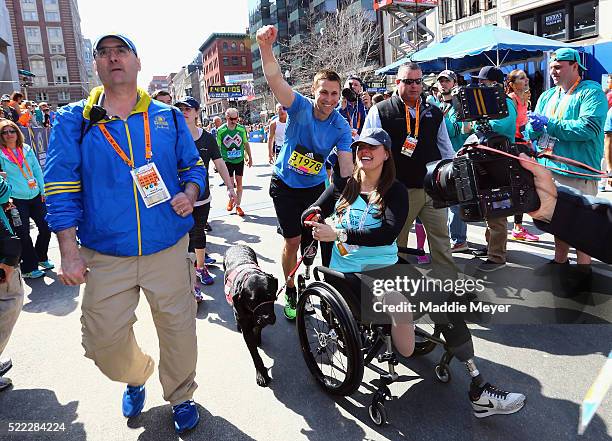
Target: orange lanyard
[
  {"x": 416, "y": 123},
  {"x": 358, "y": 118},
  {"x": 12, "y": 157},
  {"x": 120, "y": 152},
  {"x": 559, "y": 99}
]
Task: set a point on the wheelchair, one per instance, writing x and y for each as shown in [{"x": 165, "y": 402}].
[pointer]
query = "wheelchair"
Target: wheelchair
[{"x": 337, "y": 346}]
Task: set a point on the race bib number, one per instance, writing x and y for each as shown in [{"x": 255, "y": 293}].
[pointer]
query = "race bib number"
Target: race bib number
[
  {"x": 150, "y": 185},
  {"x": 409, "y": 145},
  {"x": 305, "y": 162},
  {"x": 234, "y": 154}
]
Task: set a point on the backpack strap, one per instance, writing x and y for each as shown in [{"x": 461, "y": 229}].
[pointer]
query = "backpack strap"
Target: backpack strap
[{"x": 175, "y": 126}]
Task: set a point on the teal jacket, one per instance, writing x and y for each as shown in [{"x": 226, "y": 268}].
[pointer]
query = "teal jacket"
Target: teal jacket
[
  {"x": 454, "y": 127},
  {"x": 579, "y": 131},
  {"x": 5, "y": 193},
  {"x": 88, "y": 186},
  {"x": 19, "y": 184}
]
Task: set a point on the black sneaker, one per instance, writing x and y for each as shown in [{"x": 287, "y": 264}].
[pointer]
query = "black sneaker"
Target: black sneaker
[
  {"x": 207, "y": 227},
  {"x": 5, "y": 366},
  {"x": 488, "y": 266},
  {"x": 480, "y": 252}
]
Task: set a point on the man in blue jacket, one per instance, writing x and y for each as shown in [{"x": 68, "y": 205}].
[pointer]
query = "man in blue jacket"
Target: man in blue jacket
[
  {"x": 123, "y": 174},
  {"x": 568, "y": 121}
]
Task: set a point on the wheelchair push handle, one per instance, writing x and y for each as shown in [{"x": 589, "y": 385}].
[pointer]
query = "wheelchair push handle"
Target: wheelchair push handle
[{"x": 310, "y": 215}]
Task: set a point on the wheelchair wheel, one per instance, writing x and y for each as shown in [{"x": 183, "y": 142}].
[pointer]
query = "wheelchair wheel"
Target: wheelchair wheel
[
  {"x": 422, "y": 345},
  {"x": 330, "y": 339},
  {"x": 377, "y": 413}
]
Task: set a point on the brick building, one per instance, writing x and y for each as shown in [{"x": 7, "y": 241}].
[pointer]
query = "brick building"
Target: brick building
[
  {"x": 49, "y": 43},
  {"x": 223, "y": 54}
]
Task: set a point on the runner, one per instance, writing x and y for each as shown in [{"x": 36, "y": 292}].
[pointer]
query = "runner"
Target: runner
[
  {"x": 276, "y": 134},
  {"x": 233, "y": 143}
]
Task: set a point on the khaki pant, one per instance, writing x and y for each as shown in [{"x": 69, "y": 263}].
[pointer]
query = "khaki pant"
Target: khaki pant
[
  {"x": 111, "y": 297},
  {"x": 497, "y": 239},
  {"x": 435, "y": 223},
  {"x": 11, "y": 301}
]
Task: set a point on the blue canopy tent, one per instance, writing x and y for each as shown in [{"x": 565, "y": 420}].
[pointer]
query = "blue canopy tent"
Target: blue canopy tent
[{"x": 484, "y": 46}]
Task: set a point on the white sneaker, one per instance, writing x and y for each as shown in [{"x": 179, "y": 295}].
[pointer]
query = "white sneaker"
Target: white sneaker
[{"x": 494, "y": 401}]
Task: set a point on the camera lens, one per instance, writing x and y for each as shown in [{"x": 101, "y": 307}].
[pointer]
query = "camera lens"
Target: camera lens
[
  {"x": 440, "y": 182},
  {"x": 349, "y": 94}
]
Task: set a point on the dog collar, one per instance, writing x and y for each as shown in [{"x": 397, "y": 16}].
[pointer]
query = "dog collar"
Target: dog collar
[{"x": 235, "y": 279}]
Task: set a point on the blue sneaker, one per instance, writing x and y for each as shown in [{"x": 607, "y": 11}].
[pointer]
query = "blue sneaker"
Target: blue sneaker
[
  {"x": 47, "y": 265},
  {"x": 186, "y": 416},
  {"x": 204, "y": 276},
  {"x": 133, "y": 400},
  {"x": 209, "y": 260},
  {"x": 34, "y": 274}
]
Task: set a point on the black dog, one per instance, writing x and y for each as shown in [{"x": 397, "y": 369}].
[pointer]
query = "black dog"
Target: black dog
[{"x": 252, "y": 293}]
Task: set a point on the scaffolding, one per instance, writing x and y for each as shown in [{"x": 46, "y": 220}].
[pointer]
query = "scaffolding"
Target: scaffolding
[{"x": 409, "y": 32}]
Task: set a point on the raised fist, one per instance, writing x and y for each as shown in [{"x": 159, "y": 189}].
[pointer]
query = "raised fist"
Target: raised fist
[{"x": 266, "y": 35}]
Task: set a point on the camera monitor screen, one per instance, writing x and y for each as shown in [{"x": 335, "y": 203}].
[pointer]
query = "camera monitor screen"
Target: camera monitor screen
[{"x": 482, "y": 102}]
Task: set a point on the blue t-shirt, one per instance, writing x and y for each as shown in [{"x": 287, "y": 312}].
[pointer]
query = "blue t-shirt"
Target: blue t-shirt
[
  {"x": 308, "y": 142},
  {"x": 358, "y": 216},
  {"x": 608, "y": 125}
]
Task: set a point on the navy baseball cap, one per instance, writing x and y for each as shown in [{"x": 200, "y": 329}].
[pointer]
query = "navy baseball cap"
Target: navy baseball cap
[
  {"x": 121, "y": 37},
  {"x": 490, "y": 73},
  {"x": 373, "y": 136},
  {"x": 189, "y": 101}
]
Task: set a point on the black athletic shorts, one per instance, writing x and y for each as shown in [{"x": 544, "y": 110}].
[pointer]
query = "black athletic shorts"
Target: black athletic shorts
[
  {"x": 238, "y": 169},
  {"x": 290, "y": 203},
  {"x": 197, "y": 235}
]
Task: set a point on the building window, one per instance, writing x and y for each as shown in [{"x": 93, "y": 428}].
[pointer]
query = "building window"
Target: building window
[
  {"x": 38, "y": 68},
  {"x": 28, "y": 10},
  {"x": 474, "y": 7},
  {"x": 241, "y": 47},
  {"x": 33, "y": 40},
  {"x": 461, "y": 9},
  {"x": 62, "y": 95},
  {"x": 553, "y": 24},
  {"x": 61, "y": 79},
  {"x": 445, "y": 12},
  {"x": 225, "y": 45},
  {"x": 51, "y": 10},
  {"x": 225, "y": 61},
  {"x": 243, "y": 61},
  {"x": 490, "y": 4},
  {"x": 29, "y": 15},
  {"x": 42, "y": 96},
  {"x": 526, "y": 25},
  {"x": 56, "y": 40},
  {"x": 585, "y": 19},
  {"x": 233, "y": 45},
  {"x": 234, "y": 61}
]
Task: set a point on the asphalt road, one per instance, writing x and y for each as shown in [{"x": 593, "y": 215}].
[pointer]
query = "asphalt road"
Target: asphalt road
[{"x": 54, "y": 383}]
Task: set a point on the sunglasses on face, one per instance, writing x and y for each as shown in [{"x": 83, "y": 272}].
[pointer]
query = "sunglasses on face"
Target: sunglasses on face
[
  {"x": 119, "y": 51},
  {"x": 409, "y": 81},
  {"x": 233, "y": 119},
  {"x": 8, "y": 132}
]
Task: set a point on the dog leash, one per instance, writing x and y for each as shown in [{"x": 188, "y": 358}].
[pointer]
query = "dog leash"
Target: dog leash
[{"x": 310, "y": 251}]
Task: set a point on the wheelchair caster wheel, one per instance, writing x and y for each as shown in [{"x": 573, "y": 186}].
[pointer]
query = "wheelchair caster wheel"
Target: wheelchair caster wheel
[
  {"x": 443, "y": 373},
  {"x": 377, "y": 412}
]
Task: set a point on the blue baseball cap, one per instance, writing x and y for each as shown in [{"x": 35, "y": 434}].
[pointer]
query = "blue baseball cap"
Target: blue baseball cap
[
  {"x": 189, "y": 101},
  {"x": 373, "y": 136},
  {"x": 567, "y": 54},
  {"x": 121, "y": 37}
]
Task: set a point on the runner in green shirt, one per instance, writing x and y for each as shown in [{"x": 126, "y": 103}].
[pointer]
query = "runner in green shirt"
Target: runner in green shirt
[{"x": 235, "y": 151}]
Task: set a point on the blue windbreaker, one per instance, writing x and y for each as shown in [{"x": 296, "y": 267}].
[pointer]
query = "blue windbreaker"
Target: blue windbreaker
[{"x": 88, "y": 185}]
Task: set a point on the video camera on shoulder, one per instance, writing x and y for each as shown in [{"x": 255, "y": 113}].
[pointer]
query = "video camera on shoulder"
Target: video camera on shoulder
[{"x": 485, "y": 184}]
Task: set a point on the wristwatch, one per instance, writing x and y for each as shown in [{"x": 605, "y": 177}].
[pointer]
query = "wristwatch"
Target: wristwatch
[{"x": 341, "y": 235}]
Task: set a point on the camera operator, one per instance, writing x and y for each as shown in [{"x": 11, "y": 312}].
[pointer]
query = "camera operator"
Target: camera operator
[
  {"x": 354, "y": 105},
  {"x": 11, "y": 284},
  {"x": 497, "y": 228},
  {"x": 568, "y": 121},
  {"x": 447, "y": 80},
  {"x": 564, "y": 210}
]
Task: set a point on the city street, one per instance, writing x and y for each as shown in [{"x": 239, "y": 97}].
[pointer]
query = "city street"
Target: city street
[{"x": 54, "y": 383}]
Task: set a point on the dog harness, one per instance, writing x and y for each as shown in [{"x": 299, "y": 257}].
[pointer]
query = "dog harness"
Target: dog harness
[{"x": 234, "y": 280}]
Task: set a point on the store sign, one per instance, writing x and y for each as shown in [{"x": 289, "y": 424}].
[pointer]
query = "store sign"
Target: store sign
[
  {"x": 231, "y": 91},
  {"x": 376, "y": 86},
  {"x": 553, "y": 19}
]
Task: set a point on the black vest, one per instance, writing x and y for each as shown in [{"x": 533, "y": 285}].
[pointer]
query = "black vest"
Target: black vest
[{"x": 411, "y": 171}]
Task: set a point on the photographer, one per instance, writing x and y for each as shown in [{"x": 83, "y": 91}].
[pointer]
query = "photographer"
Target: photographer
[
  {"x": 497, "y": 228},
  {"x": 563, "y": 211},
  {"x": 11, "y": 285},
  {"x": 354, "y": 105}
]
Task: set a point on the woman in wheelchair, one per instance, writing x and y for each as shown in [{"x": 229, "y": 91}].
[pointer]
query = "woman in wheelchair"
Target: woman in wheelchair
[{"x": 369, "y": 211}]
